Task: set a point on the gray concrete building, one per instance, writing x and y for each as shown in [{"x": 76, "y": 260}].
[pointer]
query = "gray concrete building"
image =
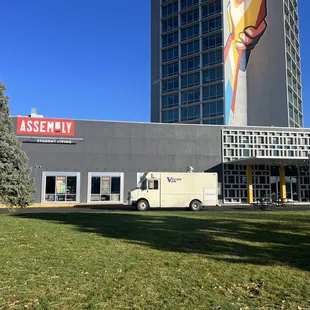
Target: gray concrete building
[
  {"x": 226, "y": 63},
  {"x": 122, "y": 151},
  {"x": 80, "y": 161}
]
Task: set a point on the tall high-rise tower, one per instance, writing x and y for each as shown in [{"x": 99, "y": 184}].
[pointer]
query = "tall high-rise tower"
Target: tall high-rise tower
[{"x": 234, "y": 62}]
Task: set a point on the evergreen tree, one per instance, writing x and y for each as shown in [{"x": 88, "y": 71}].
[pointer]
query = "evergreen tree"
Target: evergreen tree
[{"x": 16, "y": 184}]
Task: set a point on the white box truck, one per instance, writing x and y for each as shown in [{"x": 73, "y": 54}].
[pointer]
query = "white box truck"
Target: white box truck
[{"x": 175, "y": 190}]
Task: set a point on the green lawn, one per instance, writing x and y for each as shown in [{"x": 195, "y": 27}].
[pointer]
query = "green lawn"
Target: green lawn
[{"x": 155, "y": 260}]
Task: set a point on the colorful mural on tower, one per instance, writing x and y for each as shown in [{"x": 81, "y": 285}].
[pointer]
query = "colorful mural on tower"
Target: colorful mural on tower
[{"x": 245, "y": 24}]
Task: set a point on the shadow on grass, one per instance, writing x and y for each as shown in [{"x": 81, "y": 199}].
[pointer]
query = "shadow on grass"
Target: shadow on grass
[{"x": 256, "y": 238}]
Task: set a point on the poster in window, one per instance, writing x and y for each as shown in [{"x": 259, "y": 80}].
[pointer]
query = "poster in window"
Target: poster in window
[
  {"x": 105, "y": 186},
  {"x": 60, "y": 185},
  {"x": 95, "y": 197},
  {"x": 71, "y": 185},
  {"x": 115, "y": 197}
]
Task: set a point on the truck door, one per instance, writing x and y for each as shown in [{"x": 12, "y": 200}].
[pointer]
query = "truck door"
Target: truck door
[{"x": 153, "y": 194}]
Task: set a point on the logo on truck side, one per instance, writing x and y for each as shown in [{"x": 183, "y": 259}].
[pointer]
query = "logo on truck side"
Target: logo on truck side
[{"x": 173, "y": 180}]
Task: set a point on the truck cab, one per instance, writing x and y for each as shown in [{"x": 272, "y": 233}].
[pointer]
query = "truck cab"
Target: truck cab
[{"x": 146, "y": 193}]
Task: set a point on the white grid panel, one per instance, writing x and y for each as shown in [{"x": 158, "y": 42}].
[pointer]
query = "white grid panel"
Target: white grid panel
[
  {"x": 239, "y": 144},
  {"x": 244, "y": 143}
]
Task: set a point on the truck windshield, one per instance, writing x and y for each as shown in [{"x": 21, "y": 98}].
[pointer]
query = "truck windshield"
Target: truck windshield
[{"x": 141, "y": 180}]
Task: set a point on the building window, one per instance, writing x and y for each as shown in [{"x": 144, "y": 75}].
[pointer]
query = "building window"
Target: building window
[
  {"x": 171, "y": 116},
  {"x": 189, "y": 17},
  {"x": 170, "y": 85},
  {"x": 61, "y": 186},
  {"x": 170, "y": 54},
  {"x": 212, "y": 58},
  {"x": 275, "y": 140},
  {"x": 290, "y": 141},
  {"x": 190, "y": 96},
  {"x": 170, "y": 101},
  {"x": 212, "y": 25},
  {"x": 300, "y": 120},
  {"x": 170, "y": 39},
  {"x": 212, "y": 75},
  {"x": 190, "y": 48},
  {"x": 105, "y": 187},
  {"x": 190, "y": 64},
  {"x": 213, "y": 92},
  {"x": 190, "y": 32},
  {"x": 260, "y": 140},
  {"x": 190, "y": 113},
  {"x": 170, "y": 69},
  {"x": 246, "y": 153},
  {"x": 245, "y": 139},
  {"x": 188, "y": 3},
  {"x": 289, "y": 79},
  {"x": 290, "y": 95},
  {"x": 190, "y": 80},
  {"x": 212, "y": 41},
  {"x": 211, "y": 8},
  {"x": 170, "y": 9},
  {"x": 213, "y": 109},
  {"x": 299, "y": 91},
  {"x": 170, "y": 24},
  {"x": 291, "y": 112},
  {"x": 215, "y": 121}
]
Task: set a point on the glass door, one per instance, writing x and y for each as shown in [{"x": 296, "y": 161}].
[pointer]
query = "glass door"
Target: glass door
[
  {"x": 295, "y": 188},
  {"x": 291, "y": 188},
  {"x": 275, "y": 188},
  {"x": 105, "y": 187}
]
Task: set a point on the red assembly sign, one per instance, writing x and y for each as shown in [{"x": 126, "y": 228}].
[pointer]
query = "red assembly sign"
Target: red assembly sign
[{"x": 45, "y": 126}]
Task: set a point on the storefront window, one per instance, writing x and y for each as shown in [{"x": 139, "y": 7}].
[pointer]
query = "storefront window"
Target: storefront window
[
  {"x": 95, "y": 185},
  {"x": 60, "y": 188},
  {"x": 50, "y": 185},
  {"x": 105, "y": 188}
]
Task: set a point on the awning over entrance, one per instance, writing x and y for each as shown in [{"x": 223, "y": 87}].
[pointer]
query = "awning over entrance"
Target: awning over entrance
[{"x": 271, "y": 161}]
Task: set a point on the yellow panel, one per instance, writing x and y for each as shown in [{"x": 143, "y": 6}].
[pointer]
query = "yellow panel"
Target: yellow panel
[
  {"x": 282, "y": 183},
  {"x": 249, "y": 173}
]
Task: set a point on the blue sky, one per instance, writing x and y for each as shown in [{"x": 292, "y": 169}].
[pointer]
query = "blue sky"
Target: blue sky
[{"x": 90, "y": 60}]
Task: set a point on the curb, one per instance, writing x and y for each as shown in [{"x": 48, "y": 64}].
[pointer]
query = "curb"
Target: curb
[{"x": 65, "y": 205}]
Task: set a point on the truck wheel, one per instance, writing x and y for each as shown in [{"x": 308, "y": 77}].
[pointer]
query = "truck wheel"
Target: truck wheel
[
  {"x": 195, "y": 205},
  {"x": 142, "y": 205}
]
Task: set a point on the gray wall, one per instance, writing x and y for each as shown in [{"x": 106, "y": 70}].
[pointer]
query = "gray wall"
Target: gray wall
[
  {"x": 266, "y": 73},
  {"x": 128, "y": 148},
  {"x": 155, "y": 61}
]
